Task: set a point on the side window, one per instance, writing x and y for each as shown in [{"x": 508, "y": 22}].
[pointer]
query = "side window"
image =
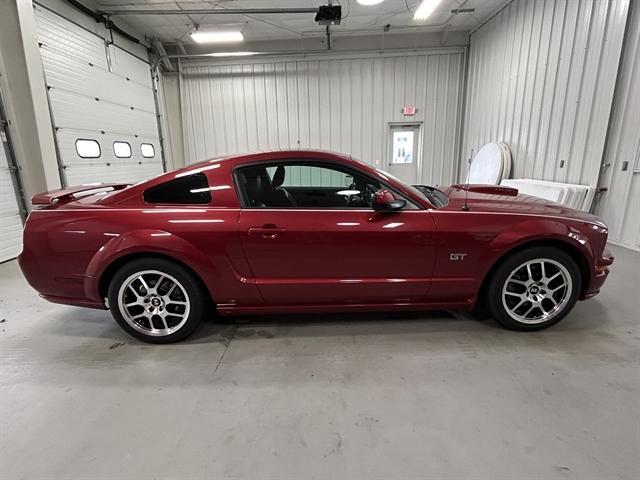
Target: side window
[
  {"x": 87, "y": 148},
  {"x": 190, "y": 190},
  {"x": 296, "y": 185},
  {"x": 122, "y": 149},
  {"x": 147, "y": 150}
]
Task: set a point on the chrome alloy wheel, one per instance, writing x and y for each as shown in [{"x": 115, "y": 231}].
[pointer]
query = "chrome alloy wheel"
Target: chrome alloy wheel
[
  {"x": 154, "y": 303},
  {"x": 537, "y": 291}
]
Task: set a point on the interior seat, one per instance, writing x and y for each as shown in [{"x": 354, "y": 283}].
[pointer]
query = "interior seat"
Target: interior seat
[
  {"x": 260, "y": 189},
  {"x": 278, "y": 180}
]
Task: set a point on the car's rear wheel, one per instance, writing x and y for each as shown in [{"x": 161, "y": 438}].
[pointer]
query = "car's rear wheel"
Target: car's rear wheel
[
  {"x": 156, "y": 300},
  {"x": 534, "y": 288}
]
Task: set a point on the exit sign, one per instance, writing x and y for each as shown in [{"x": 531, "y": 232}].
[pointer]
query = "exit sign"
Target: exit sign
[{"x": 407, "y": 111}]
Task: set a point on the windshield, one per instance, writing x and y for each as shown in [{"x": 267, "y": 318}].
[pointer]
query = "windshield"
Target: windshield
[
  {"x": 435, "y": 196},
  {"x": 432, "y": 194}
]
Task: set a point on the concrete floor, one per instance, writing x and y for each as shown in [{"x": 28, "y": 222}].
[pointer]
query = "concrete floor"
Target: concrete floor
[{"x": 385, "y": 396}]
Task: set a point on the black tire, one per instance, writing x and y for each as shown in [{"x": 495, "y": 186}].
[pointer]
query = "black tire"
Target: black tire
[
  {"x": 187, "y": 285},
  {"x": 560, "y": 303}
]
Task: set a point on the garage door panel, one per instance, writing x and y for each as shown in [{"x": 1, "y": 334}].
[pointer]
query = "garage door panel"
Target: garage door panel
[
  {"x": 98, "y": 93},
  {"x": 66, "y": 73},
  {"x": 10, "y": 221},
  {"x": 127, "y": 65},
  {"x": 108, "y": 167},
  {"x": 62, "y": 35},
  {"x": 116, "y": 173},
  {"x": 7, "y": 194},
  {"x": 76, "y": 111},
  {"x": 10, "y": 237}
]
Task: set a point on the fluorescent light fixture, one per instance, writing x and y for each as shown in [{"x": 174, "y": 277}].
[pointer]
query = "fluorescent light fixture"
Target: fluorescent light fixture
[
  {"x": 232, "y": 54},
  {"x": 425, "y": 9},
  {"x": 370, "y": 2},
  {"x": 223, "y": 36}
]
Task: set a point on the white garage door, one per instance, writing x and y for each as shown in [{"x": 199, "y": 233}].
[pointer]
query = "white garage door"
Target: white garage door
[
  {"x": 10, "y": 222},
  {"x": 101, "y": 103}
]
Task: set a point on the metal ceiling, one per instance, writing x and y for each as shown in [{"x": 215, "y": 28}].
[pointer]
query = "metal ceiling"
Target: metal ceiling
[{"x": 394, "y": 15}]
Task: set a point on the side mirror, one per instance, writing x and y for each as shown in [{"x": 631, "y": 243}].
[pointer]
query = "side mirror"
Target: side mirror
[{"x": 384, "y": 201}]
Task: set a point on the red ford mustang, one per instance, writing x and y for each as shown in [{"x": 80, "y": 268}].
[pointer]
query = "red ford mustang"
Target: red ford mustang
[{"x": 307, "y": 231}]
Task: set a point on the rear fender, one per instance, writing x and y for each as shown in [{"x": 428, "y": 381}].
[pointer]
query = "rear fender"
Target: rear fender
[{"x": 147, "y": 242}]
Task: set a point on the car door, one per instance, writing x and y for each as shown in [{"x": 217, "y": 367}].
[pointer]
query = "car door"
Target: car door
[{"x": 311, "y": 237}]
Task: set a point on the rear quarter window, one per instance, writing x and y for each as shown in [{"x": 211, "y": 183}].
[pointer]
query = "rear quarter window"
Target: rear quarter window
[{"x": 189, "y": 190}]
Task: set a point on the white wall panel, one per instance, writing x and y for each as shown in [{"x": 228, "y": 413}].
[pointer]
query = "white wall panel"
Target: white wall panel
[
  {"x": 335, "y": 103},
  {"x": 621, "y": 203},
  {"x": 541, "y": 78}
]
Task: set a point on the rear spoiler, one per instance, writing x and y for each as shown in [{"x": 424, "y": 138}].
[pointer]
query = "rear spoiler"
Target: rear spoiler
[
  {"x": 487, "y": 189},
  {"x": 64, "y": 195}
]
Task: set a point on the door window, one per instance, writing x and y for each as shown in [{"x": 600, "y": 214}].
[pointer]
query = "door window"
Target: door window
[
  {"x": 87, "y": 148},
  {"x": 402, "y": 146},
  {"x": 404, "y": 152},
  {"x": 297, "y": 185},
  {"x": 122, "y": 149}
]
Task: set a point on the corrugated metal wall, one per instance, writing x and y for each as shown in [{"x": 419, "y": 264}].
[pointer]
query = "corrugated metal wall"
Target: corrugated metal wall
[
  {"x": 541, "y": 78},
  {"x": 621, "y": 203},
  {"x": 336, "y": 103}
]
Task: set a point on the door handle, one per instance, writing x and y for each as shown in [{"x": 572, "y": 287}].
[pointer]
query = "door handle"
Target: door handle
[{"x": 266, "y": 231}]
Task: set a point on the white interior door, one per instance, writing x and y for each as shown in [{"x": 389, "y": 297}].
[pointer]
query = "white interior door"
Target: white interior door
[
  {"x": 621, "y": 209},
  {"x": 100, "y": 93},
  {"x": 404, "y": 152}
]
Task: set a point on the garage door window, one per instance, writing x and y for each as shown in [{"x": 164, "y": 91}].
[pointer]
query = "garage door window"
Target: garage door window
[
  {"x": 147, "y": 151},
  {"x": 190, "y": 190},
  {"x": 122, "y": 149},
  {"x": 86, "y": 148}
]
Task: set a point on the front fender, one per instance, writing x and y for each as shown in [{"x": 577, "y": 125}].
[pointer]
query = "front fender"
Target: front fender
[
  {"x": 541, "y": 229},
  {"x": 147, "y": 241}
]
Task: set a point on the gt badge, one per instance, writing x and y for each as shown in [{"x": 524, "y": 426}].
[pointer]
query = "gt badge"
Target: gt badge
[{"x": 457, "y": 256}]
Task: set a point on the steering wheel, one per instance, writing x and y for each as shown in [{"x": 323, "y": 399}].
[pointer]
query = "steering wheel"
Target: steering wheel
[
  {"x": 368, "y": 194},
  {"x": 349, "y": 199}
]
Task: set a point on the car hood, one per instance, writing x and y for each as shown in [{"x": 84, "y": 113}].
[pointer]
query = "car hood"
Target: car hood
[{"x": 497, "y": 199}]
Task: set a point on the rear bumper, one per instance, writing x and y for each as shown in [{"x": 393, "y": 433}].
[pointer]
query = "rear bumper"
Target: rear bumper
[
  {"x": 76, "y": 302},
  {"x": 67, "y": 290}
]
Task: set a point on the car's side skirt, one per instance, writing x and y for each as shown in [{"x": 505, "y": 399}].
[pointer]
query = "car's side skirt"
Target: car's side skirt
[{"x": 231, "y": 309}]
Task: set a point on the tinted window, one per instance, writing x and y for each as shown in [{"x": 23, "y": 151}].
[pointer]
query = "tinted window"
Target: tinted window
[
  {"x": 189, "y": 190},
  {"x": 298, "y": 185},
  {"x": 86, "y": 148},
  {"x": 122, "y": 149}
]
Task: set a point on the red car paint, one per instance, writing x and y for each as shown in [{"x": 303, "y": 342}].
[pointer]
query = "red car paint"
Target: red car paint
[{"x": 315, "y": 260}]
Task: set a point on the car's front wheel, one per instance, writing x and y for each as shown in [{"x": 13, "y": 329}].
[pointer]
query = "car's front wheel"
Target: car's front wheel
[
  {"x": 534, "y": 288},
  {"x": 156, "y": 300}
]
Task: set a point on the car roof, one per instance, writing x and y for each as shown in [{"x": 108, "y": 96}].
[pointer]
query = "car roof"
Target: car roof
[{"x": 231, "y": 161}]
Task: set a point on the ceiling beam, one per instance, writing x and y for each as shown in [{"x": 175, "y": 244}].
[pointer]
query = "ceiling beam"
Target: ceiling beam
[{"x": 220, "y": 11}]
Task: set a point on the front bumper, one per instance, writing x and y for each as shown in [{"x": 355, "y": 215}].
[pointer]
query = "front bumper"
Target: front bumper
[{"x": 599, "y": 274}]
